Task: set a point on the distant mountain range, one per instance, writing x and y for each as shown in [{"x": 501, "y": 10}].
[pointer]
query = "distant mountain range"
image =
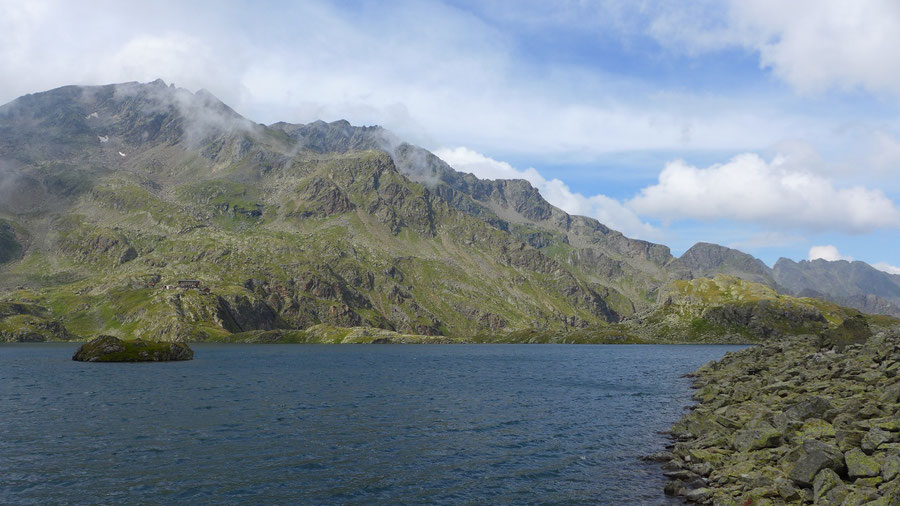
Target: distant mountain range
[
  {"x": 853, "y": 284},
  {"x": 110, "y": 193}
]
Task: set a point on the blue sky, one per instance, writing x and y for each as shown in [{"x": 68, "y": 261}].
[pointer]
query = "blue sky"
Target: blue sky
[{"x": 764, "y": 125}]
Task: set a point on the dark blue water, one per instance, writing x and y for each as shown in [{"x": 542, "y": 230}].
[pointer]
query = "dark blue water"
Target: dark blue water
[{"x": 342, "y": 424}]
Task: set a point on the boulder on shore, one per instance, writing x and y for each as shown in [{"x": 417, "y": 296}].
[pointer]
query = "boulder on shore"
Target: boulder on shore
[{"x": 113, "y": 349}]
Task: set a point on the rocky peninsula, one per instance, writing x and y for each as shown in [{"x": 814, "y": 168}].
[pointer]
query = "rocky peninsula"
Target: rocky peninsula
[
  {"x": 113, "y": 349},
  {"x": 811, "y": 419}
]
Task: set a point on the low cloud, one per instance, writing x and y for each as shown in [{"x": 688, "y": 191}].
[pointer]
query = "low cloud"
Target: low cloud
[
  {"x": 886, "y": 267},
  {"x": 827, "y": 252},
  {"x": 777, "y": 193},
  {"x": 204, "y": 115},
  {"x": 607, "y": 210}
]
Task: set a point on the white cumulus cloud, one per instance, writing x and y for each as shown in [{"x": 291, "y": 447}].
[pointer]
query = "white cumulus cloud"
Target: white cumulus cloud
[
  {"x": 813, "y": 45},
  {"x": 827, "y": 252},
  {"x": 816, "y": 44},
  {"x": 777, "y": 193},
  {"x": 608, "y": 211}
]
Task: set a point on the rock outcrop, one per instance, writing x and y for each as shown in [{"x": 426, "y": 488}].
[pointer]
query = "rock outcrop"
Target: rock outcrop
[
  {"x": 113, "y": 349},
  {"x": 11, "y": 247},
  {"x": 801, "y": 421},
  {"x": 29, "y": 323},
  {"x": 728, "y": 309}
]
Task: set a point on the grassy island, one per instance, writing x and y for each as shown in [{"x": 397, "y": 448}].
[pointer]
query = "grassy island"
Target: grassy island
[{"x": 112, "y": 349}]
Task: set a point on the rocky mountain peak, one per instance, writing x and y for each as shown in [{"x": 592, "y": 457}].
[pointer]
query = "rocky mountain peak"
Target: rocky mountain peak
[
  {"x": 338, "y": 136},
  {"x": 706, "y": 260}
]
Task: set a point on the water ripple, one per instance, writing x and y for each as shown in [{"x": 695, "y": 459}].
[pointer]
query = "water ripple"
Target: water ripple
[{"x": 342, "y": 424}]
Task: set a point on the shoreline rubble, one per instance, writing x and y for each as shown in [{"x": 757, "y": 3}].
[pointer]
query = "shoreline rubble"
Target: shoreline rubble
[{"x": 797, "y": 421}]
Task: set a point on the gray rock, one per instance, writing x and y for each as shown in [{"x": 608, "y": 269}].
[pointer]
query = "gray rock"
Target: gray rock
[
  {"x": 860, "y": 496},
  {"x": 875, "y": 438},
  {"x": 811, "y": 407},
  {"x": 890, "y": 466},
  {"x": 814, "y": 457},
  {"x": 674, "y": 487},
  {"x": 683, "y": 475},
  {"x": 890, "y": 495},
  {"x": 848, "y": 439},
  {"x": 787, "y": 490},
  {"x": 828, "y": 487},
  {"x": 699, "y": 495},
  {"x": 703, "y": 469},
  {"x": 660, "y": 457}
]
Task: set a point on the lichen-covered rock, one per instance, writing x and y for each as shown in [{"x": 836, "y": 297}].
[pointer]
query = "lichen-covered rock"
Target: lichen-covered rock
[
  {"x": 112, "y": 349},
  {"x": 756, "y": 439},
  {"x": 814, "y": 428},
  {"x": 891, "y": 394},
  {"x": 889, "y": 424},
  {"x": 860, "y": 465},
  {"x": 889, "y": 495},
  {"x": 890, "y": 466},
  {"x": 859, "y": 496}
]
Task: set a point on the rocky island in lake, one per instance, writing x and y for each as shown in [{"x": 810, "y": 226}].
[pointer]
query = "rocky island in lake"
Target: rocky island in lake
[{"x": 113, "y": 349}]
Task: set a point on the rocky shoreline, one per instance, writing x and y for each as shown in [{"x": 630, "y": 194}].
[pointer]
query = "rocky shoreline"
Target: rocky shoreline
[{"x": 808, "y": 420}]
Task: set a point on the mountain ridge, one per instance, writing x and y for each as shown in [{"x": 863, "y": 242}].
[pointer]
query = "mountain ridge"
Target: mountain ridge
[{"x": 108, "y": 193}]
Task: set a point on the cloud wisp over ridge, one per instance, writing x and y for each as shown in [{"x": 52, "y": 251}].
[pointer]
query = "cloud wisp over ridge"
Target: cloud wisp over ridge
[
  {"x": 607, "y": 210},
  {"x": 827, "y": 252},
  {"x": 886, "y": 267}
]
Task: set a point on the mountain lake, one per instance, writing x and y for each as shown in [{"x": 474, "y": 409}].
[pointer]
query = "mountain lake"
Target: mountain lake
[{"x": 348, "y": 424}]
